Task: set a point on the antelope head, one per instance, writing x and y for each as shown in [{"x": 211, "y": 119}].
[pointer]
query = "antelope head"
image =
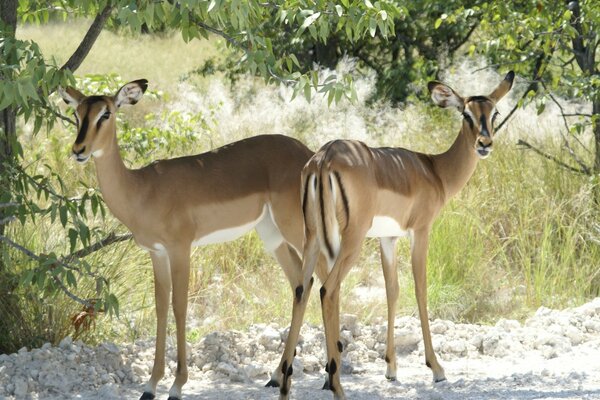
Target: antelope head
[
  {"x": 479, "y": 112},
  {"x": 95, "y": 116}
]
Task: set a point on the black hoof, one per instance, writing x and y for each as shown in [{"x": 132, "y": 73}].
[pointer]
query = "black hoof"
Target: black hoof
[
  {"x": 326, "y": 385},
  {"x": 147, "y": 396},
  {"x": 440, "y": 380},
  {"x": 272, "y": 383},
  {"x": 173, "y": 398},
  {"x": 391, "y": 378}
]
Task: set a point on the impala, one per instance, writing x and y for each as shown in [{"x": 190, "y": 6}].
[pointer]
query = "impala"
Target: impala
[
  {"x": 172, "y": 205},
  {"x": 351, "y": 191}
]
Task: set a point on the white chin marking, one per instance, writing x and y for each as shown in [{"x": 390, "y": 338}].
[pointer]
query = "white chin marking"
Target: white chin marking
[
  {"x": 483, "y": 153},
  {"x": 98, "y": 153}
]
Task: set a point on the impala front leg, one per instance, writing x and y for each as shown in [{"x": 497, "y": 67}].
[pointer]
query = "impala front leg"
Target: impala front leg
[
  {"x": 180, "y": 273},
  {"x": 387, "y": 247},
  {"x": 162, "y": 292},
  {"x": 420, "y": 242}
]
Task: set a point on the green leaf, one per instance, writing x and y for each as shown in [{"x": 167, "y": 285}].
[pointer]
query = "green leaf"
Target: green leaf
[
  {"x": 437, "y": 23},
  {"x": 372, "y": 27},
  {"x": 62, "y": 210},
  {"x": 71, "y": 281},
  {"x": 339, "y": 9},
  {"x": 73, "y": 239},
  {"x": 309, "y": 20}
]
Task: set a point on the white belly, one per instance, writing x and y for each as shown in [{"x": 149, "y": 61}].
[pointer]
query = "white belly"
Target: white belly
[
  {"x": 383, "y": 226},
  {"x": 228, "y": 234}
]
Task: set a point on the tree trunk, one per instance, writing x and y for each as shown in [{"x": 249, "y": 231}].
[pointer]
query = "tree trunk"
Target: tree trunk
[
  {"x": 8, "y": 116},
  {"x": 596, "y": 131}
]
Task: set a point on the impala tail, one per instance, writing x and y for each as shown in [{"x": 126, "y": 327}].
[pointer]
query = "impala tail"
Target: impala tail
[{"x": 325, "y": 209}]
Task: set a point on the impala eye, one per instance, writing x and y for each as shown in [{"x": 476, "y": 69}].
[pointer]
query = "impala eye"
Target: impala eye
[{"x": 103, "y": 118}]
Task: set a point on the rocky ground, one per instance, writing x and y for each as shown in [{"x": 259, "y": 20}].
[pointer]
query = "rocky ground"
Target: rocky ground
[{"x": 553, "y": 355}]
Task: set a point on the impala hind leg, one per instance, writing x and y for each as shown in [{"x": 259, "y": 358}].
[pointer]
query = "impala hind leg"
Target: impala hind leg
[
  {"x": 419, "y": 267},
  {"x": 330, "y": 306},
  {"x": 162, "y": 292},
  {"x": 301, "y": 295},
  {"x": 180, "y": 274},
  {"x": 292, "y": 266},
  {"x": 387, "y": 247}
]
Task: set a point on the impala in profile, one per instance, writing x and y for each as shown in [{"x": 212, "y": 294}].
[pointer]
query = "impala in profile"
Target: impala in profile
[
  {"x": 351, "y": 191},
  {"x": 172, "y": 205}
]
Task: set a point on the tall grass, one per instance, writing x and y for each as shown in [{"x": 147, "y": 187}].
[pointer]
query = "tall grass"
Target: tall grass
[{"x": 521, "y": 234}]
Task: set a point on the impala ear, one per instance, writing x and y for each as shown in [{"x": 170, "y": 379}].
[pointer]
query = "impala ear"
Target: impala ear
[
  {"x": 131, "y": 92},
  {"x": 503, "y": 87},
  {"x": 71, "y": 96},
  {"x": 444, "y": 96}
]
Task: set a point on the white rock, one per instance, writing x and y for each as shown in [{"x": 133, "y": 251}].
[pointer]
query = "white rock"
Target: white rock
[
  {"x": 226, "y": 369},
  {"x": 66, "y": 343},
  {"x": 407, "y": 339},
  {"x": 20, "y": 387},
  {"x": 270, "y": 338}
]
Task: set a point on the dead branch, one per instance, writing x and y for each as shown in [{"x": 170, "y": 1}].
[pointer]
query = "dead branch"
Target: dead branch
[{"x": 523, "y": 143}]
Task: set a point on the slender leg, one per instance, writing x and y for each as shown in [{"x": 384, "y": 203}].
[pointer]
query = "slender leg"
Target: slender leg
[
  {"x": 419, "y": 266},
  {"x": 330, "y": 291},
  {"x": 180, "y": 274},
  {"x": 285, "y": 370},
  {"x": 292, "y": 266},
  {"x": 162, "y": 292},
  {"x": 390, "y": 273}
]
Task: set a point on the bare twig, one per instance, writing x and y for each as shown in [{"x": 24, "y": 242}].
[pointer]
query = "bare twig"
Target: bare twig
[
  {"x": 217, "y": 32},
  {"x": 107, "y": 241},
  {"x": 565, "y": 140},
  {"x": 58, "y": 115},
  {"x": 10, "y": 204},
  {"x": 577, "y": 115},
  {"x": 88, "y": 40},
  {"x": 551, "y": 157},
  {"x": 6, "y": 220}
]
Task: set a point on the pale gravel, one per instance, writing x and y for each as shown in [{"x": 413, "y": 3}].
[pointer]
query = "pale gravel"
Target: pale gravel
[{"x": 553, "y": 355}]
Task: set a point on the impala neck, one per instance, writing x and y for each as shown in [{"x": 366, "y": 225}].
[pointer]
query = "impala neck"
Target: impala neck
[
  {"x": 457, "y": 164},
  {"x": 116, "y": 181}
]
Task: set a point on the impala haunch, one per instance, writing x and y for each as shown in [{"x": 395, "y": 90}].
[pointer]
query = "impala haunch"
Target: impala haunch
[
  {"x": 351, "y": 191},
  {"x": 172, "y": 205}
]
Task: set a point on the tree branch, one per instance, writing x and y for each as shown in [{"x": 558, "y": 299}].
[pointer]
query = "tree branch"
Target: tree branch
[
  {"x": 217, "y": 32},
  {"x": 107, "y": 241},
  {"x": 551, "y": 157},
  {"x": 66, "y": 260},
  {"x": 88, "y": 40},
  {"x": 62, "y": 287},
  {"x": 465, "y": 38}
]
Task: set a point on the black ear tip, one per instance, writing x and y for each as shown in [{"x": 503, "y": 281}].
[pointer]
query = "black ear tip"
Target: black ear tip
[
  {"x": 510, "y": 77},
  {"x": 431, "y": 85},
  {"x": 143, "y": 84}
]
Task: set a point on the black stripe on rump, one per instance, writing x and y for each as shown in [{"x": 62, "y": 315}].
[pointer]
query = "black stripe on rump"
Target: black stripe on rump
[
  {"x": 344, "y": 196},
  {"x": 305, "y": 196},
  {"x": 325, "y": 237}
]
